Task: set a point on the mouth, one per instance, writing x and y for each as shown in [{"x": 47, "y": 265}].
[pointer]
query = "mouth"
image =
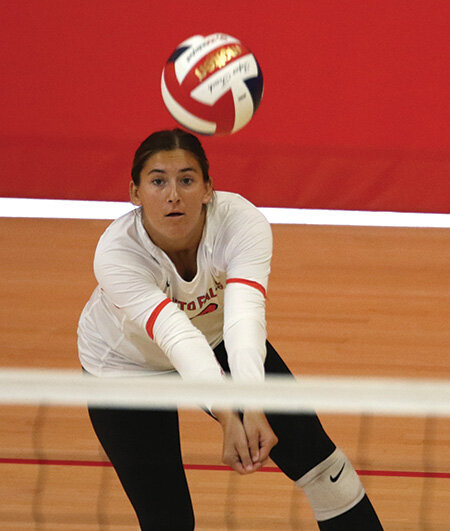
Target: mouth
[{"x": 174, "y": 214}]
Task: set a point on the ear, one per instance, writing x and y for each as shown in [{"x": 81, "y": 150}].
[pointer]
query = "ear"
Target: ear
[
  {"x": 209, "y": 191},
  {"x": 134, "y": 194}
]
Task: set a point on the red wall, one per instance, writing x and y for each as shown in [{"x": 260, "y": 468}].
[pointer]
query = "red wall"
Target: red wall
[{"x": 355, "y": 113}]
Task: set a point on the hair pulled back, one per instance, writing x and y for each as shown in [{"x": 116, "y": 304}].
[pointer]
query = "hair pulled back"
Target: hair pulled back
[{"x": 168, "y": 140}]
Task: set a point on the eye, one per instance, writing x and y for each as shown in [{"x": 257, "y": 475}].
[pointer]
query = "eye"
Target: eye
[
  {"x": 187, "y": 180},
  {"x": 157, "y": 181}
]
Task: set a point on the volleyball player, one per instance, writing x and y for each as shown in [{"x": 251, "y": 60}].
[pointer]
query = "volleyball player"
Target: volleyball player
[{"x": 181, "y": 288}]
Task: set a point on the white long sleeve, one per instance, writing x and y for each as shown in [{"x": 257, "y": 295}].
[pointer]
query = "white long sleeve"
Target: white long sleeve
[
  {"x": 185, "y": 346},
  {"x": 245, "y": 332}
]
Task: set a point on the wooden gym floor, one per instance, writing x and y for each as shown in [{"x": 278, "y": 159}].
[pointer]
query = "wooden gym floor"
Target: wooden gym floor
[{"x": 341, "y": 301}]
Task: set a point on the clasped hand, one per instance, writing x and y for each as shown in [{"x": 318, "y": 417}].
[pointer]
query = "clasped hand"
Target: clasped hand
[{"x": 246, "y": 443}]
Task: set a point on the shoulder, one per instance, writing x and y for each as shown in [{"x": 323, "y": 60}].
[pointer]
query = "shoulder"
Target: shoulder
[
  {"x": 122, "y": 245},
  {"x": 121, "y": 231},
  {"x": 239, "y": 226},
  {"x": 231, "y": 207}
]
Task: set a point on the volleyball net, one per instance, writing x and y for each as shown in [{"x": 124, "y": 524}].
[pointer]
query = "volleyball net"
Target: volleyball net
[
  {"x": 384, "y": 396},
  {"x": 395, "y": 431}
]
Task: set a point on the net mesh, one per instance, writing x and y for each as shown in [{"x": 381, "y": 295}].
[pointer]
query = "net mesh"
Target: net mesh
[{"x": 55, "y": 476}]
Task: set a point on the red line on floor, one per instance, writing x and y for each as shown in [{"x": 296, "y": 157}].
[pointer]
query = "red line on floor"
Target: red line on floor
[
  {"x": 76, "y": 462},
  {"x": 61, "y": 462}
]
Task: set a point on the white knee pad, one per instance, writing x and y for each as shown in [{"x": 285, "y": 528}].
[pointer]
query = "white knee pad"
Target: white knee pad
[{"x": 332, "y": 487}]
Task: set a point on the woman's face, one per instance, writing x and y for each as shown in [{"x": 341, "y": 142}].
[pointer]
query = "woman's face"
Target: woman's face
[{"x": 172, "y": 193}]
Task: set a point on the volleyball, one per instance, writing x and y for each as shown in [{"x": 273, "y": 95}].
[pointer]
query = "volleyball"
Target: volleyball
[{"x": 212, "y": 85}]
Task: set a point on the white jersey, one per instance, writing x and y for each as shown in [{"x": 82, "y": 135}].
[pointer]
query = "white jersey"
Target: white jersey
[{"x": 144, "y": 318}]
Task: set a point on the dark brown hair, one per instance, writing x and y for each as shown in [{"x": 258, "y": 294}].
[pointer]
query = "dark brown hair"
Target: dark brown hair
[{"x": 168, "y": 140}]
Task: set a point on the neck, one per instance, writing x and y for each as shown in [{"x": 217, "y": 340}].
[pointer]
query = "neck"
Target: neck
[
  {"x": 183, "y": 251},
  {"x": 185, "y": 263}
]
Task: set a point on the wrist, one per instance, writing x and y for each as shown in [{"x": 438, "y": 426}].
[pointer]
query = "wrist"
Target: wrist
[
  {"x": 223, "y": 415},
  {"x": 254, "y": 413}
]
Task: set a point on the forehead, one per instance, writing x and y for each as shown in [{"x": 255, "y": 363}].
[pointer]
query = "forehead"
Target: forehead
[{"x": 175, "y": 159}]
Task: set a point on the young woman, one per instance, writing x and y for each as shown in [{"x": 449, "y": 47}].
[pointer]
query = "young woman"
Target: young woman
[{"x": 181, "y": 287}]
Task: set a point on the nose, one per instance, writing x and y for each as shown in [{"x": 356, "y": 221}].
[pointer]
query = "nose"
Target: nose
[{"x": 172, "y": 193}]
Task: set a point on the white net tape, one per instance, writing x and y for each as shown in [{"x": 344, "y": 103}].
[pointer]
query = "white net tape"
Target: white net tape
[
  {"x": 67, "y": 209},
  {"x": 353, "y": 395}
]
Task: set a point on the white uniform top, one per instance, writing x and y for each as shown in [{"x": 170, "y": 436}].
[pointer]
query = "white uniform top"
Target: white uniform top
[{"x": 143, "y": 318}]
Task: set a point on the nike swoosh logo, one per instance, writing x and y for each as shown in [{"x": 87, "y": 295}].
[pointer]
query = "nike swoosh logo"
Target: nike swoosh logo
[{"x": 333, "y": 479}]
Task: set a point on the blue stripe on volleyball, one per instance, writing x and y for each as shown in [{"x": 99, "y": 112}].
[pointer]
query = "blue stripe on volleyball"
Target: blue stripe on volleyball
[
  {"x": 255, "y": 86},
  {"x": 177, "y": 54}
]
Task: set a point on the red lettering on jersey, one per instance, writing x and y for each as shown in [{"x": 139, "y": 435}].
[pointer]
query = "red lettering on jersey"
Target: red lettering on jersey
[
  {"x": 211, "y": 293},
  {"x": 218, "y": 284},
  {"x": 181, "y": 304},
  {"x": 201, "y": 300}
]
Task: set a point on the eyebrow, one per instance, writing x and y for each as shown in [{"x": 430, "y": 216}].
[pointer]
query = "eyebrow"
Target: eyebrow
[{"x": 183, "y": 170}]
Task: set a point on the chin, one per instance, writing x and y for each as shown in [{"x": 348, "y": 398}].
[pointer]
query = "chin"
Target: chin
[{"x": 176, "y": 233}]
